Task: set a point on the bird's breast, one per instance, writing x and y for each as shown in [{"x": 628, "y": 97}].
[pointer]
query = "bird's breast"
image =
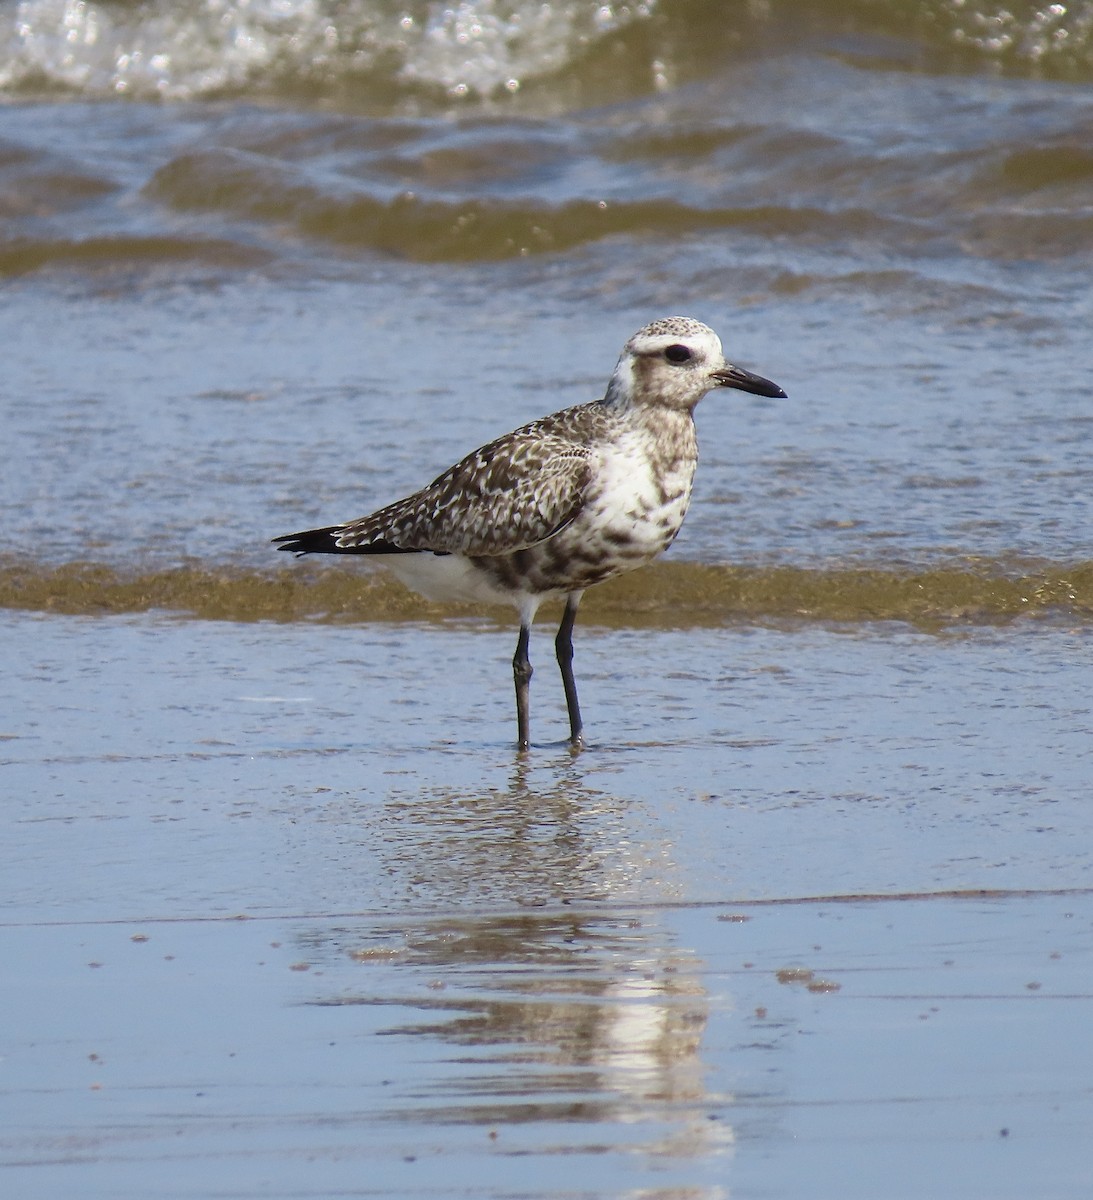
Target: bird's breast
[{"x": 639, "y": 493}]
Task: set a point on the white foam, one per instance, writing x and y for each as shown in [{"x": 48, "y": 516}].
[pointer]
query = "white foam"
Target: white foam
[{"x": 186, "y": 49}]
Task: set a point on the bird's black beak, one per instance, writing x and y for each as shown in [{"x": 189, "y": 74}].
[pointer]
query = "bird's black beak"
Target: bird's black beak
[{"x": 744, "y": 381}]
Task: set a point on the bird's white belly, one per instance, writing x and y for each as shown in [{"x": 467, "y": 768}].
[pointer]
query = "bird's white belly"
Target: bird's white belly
[{"x": 444, "y": 578}]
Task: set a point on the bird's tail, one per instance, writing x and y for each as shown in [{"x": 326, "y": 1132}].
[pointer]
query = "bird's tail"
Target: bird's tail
[
  {"x": 314, "y": 541},
  {"x": 326, "y": 541}
]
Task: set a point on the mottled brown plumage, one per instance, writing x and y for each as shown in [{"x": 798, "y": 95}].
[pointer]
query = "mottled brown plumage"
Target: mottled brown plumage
[
  {"x": 561, "y": 504},
  {"x": 511, "y": 494}
]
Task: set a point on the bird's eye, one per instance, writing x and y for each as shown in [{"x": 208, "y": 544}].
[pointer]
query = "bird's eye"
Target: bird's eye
[{"x": 677, "y": 354}]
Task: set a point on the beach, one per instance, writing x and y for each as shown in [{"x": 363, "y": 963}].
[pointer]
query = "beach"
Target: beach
[{"x": 285, "y": 913}]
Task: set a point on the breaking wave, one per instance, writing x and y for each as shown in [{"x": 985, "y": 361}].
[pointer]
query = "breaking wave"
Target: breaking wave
[
  {"x": 666, "y": 595},
  {"x": 391, "y": 51}
]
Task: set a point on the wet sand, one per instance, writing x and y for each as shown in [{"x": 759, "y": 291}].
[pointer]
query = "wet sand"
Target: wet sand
[{"x": 292, "y": 918}]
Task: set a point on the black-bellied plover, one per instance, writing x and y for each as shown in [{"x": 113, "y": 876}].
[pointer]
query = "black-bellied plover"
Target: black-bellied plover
[{"x": 558, "y": 505}]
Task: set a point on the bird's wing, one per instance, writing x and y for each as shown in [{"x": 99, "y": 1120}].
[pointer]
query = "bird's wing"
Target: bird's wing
[{"x": 510, "y": 495}]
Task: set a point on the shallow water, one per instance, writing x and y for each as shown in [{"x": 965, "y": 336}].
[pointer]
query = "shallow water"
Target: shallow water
[
  {"x": 813, "y": 911},
  {"x": 376, "y": 766},
  {"x": 291, "y": 917}
]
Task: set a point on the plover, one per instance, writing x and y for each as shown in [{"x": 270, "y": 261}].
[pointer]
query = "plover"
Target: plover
[{"x": 560, "y": 504}]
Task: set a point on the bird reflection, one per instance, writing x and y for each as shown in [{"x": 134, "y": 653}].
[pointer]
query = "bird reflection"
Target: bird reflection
[
  {"x": 586, "y": 1016},
  {"x": 519, "y": 844},
  {"x": 539, "y": 947}
]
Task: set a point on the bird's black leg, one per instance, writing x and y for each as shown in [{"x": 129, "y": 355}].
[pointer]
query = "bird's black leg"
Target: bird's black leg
[
  {"x": 563, "y": 648},
  {"x": 521, "y": 673}
]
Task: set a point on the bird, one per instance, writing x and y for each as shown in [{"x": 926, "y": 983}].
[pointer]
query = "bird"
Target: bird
[{"x": 560, "y": 504}]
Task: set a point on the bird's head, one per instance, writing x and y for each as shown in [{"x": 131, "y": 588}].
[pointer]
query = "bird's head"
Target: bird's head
[{"x": 673, "y": 363}]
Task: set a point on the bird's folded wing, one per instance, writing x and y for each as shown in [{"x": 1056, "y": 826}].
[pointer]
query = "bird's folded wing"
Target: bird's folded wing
[{"x": 508, "y": 496}]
